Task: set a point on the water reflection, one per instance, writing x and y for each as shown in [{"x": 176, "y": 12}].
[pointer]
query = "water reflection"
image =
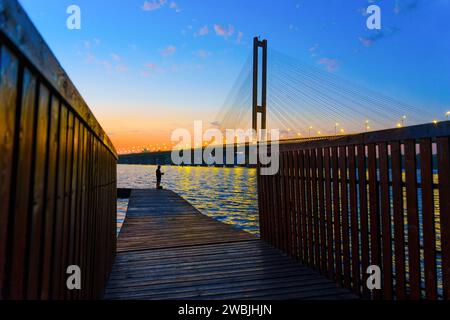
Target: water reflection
[
  {"x": 122, "y": 206},
  {"x": 226, "y": 194}
]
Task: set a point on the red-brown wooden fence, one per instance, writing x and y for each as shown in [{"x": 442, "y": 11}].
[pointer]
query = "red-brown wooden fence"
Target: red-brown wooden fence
[
  {"x": 381, "y": 198},
  {"x": 57, "y": 174}
]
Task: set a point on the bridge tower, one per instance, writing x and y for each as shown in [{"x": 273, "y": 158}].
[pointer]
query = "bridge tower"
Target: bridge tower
[{"x": 259, "y": 108}]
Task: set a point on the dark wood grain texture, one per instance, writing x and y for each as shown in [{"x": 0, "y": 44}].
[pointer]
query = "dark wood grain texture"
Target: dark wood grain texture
[{"x": 169, "y": 250}]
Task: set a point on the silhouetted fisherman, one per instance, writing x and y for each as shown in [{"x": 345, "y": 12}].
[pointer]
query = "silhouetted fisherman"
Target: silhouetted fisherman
[{"x": 159, "y": 175}]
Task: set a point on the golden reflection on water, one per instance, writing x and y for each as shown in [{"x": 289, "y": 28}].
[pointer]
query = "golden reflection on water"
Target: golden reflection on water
[{"x": 226, "y": 194}]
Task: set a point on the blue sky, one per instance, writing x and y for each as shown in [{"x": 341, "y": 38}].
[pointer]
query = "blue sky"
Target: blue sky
[{"x": 146, "y": 67}]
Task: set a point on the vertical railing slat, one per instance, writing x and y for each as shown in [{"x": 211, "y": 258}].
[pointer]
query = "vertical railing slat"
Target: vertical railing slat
[
  {"x": 344, "y": 215},
  {"x": 285, "y": 203},
  {"x": 315, "y": 209},
  {"x": 354, "y": 220},
  {"x": 38, "y": 205},
  {"x": 364, "y": 220},
  {"x": 70, "y": 247},
  {"x": 292, "y": 187},
  {"x": 299, "y": 205},
  {"x": 309, "y": 211},
  {"x": 386, "y": 222},
  {"x": 429, "y": 234},
  {"x": 443, "y": 144},
  {"x": 8, "y": 96},
  {"x": 374, "y": 211},
  {"x": 272, "y": 210},
  {"x": 413, "y": 219},
  {"x": 278, "y": 210},
  {"x": 303, "y": 211},
  {"x": 399, "y": 221},
  {"x": 329, "y": 213},
  {"x": 54, "y": 163},
  {"x": 287, "y": 199},
  {"x": 322, "y": 217},
  {"x": 22, "y": 192},
  {"x": 336, "y": 215}
]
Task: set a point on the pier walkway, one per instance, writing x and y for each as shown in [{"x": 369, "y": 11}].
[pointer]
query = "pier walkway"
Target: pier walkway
[{"x": 169, "y": 250}]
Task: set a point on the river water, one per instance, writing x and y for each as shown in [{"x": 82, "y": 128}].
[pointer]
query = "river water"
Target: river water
[{"x": 225, "y": 194}]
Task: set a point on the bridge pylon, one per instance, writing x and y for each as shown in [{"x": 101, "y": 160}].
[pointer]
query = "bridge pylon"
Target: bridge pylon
[{"x": 257, "y": 107}]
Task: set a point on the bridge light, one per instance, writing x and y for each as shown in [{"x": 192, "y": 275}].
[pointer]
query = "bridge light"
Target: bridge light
[
  {"x": 403, "y": 121},
  {"x": 336, "y": 125},
  {"x": 399, "y": 125},
  {"x": 447, "y": 114},
  {"x": 435, "y": 121}
]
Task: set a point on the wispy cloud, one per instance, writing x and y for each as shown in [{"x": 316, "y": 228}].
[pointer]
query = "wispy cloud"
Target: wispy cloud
[
  {"x": 202, "y": 53},
  {"x": 203, "y": 31},
  {"x": 330, "y": 64},
  {"x": 150, "y": 69},
  {"x": 174, "y": 6},
  {"x": 122, "y": 68},
  {"x": 158, "y": 4},
  {"x": 111, "y": 62},
  {"x": 313, "y": 50},
  {"x": 116, "y": 57},
  {"x": 90, "y": 57},
  {"x": 224, "y": 31},
  {"x": 363, "y": 11},
  {"x": 370, "y": 40},
  {"x": 402, "y": 6},
  {"x": 239, "y": 37},
  {"x": 153, "y": 5},
  {"x": 170, "y": 50},
  {"x": 89, "y": 44},
  {"x": 106, "y": 64}
]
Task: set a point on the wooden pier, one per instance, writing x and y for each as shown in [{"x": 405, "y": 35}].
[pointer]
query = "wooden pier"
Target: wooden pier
[{"x": 169, "y": 250}]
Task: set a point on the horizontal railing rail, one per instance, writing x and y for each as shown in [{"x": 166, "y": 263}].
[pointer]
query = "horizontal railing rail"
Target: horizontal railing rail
[
  {"x": 378, "y": 198},
  {"x": 57, "y": 174}
]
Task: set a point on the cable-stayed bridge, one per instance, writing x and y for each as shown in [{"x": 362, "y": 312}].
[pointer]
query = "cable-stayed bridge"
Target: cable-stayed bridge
[
  {"x": 302, "y": 101},
  {"x": 305, "y": 101}
]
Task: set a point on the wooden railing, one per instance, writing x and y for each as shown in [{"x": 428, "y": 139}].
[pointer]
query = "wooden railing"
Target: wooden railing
[
  {"x": 57, "y": 174},
  {"x": 380, "y": 198}
]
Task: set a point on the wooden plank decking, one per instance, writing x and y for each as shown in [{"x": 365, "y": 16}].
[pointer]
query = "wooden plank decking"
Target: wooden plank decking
[{"x": 169, "y": 250}]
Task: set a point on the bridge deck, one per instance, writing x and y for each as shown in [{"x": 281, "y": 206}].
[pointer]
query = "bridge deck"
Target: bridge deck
[{"x": 169, "y": 250}]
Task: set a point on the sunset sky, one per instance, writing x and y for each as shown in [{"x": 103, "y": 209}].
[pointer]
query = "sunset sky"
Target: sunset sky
[{"x": 148, "y": 67}]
